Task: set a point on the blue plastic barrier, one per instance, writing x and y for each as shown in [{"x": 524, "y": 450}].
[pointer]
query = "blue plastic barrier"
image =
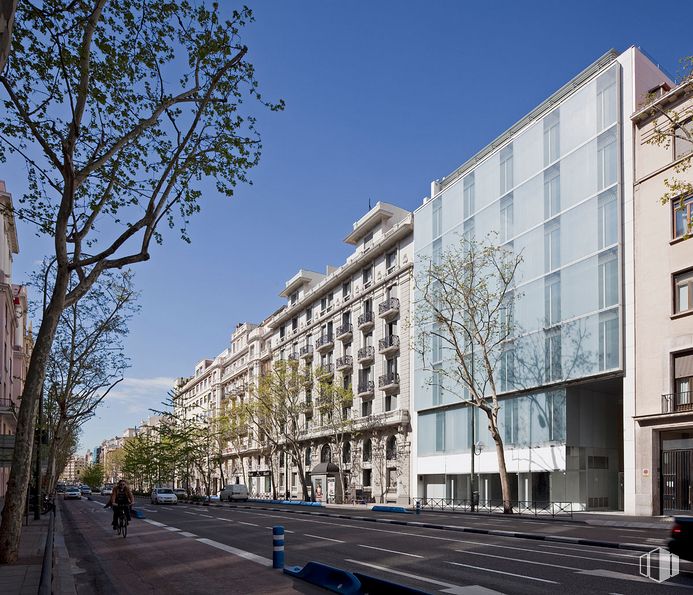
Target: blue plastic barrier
[
  {"x": 391, "y": 509},
  {"x": 278, "y": 546},
  {"x": 137, "y": 513},
  {"x": 328, "y": 577}
]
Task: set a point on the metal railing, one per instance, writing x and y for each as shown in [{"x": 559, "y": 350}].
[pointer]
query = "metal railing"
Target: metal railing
[
  {"x": 323, "y": 341},
  {"x": 345, "y": 329},
  {"x": 676, "y": 402},
  {"x": 365, "y": 318},
  {"x": 306, "y": 351},
  {"x": 366, "y": 387},
  {"x": 345, "y": 362},
  {"x": 390, "y": 304},
  {"x": 390, "y": 379},
  {"x": 389, "y": 342},
  {"x": 521, "y": 507},
  {"x": 366, "y": 353}
]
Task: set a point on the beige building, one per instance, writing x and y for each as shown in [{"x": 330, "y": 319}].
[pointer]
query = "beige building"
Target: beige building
[{"x": 663, "y": 420}]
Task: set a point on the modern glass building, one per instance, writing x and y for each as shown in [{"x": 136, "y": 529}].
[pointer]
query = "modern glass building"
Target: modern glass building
[{"x": 555, "y": 188}]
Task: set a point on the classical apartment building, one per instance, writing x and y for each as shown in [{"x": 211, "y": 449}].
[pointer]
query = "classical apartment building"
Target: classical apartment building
[
  {"x": 15, "y": 338},
  {"x": 662, "y": 428},
  {"x": 557, "y": 187},
  {"x": 350, "y": 325}
]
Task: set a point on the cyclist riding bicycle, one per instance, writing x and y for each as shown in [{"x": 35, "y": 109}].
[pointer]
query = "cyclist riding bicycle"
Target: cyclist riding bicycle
[{"x": 121, "y": 498}]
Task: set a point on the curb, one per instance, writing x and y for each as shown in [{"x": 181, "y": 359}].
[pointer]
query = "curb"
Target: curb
[
  {"x": 461, "y": 529},
  {"x": 63, "y": 580}
]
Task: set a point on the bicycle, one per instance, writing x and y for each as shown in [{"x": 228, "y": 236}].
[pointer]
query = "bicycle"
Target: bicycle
[{"x": 122, "y": 527}]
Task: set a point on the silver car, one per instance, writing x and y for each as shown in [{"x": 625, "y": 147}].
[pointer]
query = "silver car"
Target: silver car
[{"x": 163, "y": 496}]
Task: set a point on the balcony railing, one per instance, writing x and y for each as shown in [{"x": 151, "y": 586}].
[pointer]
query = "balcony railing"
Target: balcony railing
[
  {"x": 292, "y": 357},
  {"x": 345, "y": 331},
  {"x": 325, "y": 371},
  {"x": 366, "y": 320},
  {"x": 345, "y": 362},
  {"x": 324, "y": 343},
  {"x": 677, "y": 402},
  {"x": 306, "y": 352},
  {"x": 366, "y": 388},
  {"x": 366, "y": 354},
  {"x": 388, "y": 344},
  {"x": 389, "y": 381},
  {"x": 390, "y": 307}
]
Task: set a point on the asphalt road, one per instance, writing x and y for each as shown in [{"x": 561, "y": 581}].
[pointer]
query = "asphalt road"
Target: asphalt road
[{"x": 432, "y": 560}]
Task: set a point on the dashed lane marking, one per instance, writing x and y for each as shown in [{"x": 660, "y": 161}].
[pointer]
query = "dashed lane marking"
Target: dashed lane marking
[
  {"x": 251, "y": 524},
  {"x": 187, "y": 534},
  {"x": 525, "y": 561},
  {"x": 319, "y": 537},
  {"x": 221, "y": 518},
  {"x": 372, "y": 547},
  {"x": 207, "y": 516},
  {"x": 155, "y": 523},
  {"x": 241, "y": 553},
  {"x": 529, "y": 578},
  {"x": 172, "y": 528}
]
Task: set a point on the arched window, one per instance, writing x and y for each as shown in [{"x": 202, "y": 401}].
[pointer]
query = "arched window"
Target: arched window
[
  {"x": 308, "y": 456},
  {"x": 346, "y": 453},
  {"x": 391, "y": 448},
  {"x": 326, "y": 454},
  {"x": 367, "y": 451}
]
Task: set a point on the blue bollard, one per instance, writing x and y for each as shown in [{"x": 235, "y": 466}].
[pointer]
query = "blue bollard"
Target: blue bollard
[
  {"x": 278, "y": 547},
  {"x": 418, "y": 507}
]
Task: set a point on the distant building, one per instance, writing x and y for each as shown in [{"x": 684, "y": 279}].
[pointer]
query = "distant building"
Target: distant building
[
  {"x": 15, "y": 338},
  {"x": 660, "y": 436}
]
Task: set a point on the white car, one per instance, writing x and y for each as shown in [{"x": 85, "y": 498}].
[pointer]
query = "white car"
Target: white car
[
  {"x": 107, "y": 490},
  {"x": 72, "y": 492},
  {"x": 236, "y": 491},
  {"x": 163, "y": 496}
]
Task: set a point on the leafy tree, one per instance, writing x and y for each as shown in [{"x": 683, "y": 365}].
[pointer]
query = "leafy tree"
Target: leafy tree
[
  {"x": 93, "y": 475},
  {"x": 118, "y": 108},
  {"x": 463, "y": 318}
]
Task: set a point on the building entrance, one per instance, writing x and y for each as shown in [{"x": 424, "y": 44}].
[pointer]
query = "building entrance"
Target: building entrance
[{"x": 676, "y": 480}]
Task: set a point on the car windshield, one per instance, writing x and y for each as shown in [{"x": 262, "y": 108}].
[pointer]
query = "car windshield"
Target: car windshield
[{"x": 165, "y": 491}]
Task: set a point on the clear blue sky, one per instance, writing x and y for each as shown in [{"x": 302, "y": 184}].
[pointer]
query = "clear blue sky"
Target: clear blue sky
[{"x": 382, "y": 98}]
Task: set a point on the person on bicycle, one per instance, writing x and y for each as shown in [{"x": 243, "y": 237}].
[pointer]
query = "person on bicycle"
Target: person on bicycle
[{"x": 121, "y": 497}]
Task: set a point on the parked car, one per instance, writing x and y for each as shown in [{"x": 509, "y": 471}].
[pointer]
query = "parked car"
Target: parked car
[
  {"x": 163, "y": 496},
  {"x": 72, "y": 492},
  {"x": 236, "y": 491},
  {"x": 681, "y": 542},
  {"x": 86, "y": 490},
  {"x": 180, "y": 493},
  {"x": 107, "y": 490}
]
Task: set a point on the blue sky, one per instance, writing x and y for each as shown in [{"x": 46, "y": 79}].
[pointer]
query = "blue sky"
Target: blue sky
[{"x": 382, "y": 98}]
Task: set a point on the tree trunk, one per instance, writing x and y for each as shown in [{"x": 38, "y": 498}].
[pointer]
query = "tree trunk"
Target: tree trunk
[
  {"x": 502, "y": 470},
  {"x": 7, "y": 11},
  {"x": 15, "y": 497}
]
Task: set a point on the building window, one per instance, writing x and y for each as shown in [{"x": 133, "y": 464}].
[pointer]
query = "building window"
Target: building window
[
  {"x": 683, "y": 377},
  {"x": 436, "y": 345},
  {"x": 608, "y": 340},
  {"x": 368, "y": 240},
  {"x": 606, "y": 99},
  {"x": 325, "y": 454},
  {"x": 606, "y": 160},
  {"x": 437, "y": 217},
  {"x": 440, "y": 431},
  {"x": 683, "y": 138},
  {"x": 293, "y": 298},
  {"x": 367, "y": 478},
  {"x": 608, "y": 279},
  {"x": 506, "y": 218},
  {"x": 552, "y": 148},
  {"x": 683, "y": 292},
  {"x": 367, "y": 276},
  {"x": 506, "y": 169},
  {"x": 390, "y": 402},
  {"x": 309, "y": 314},
  {"x": 608, "y": 219},
  {"x": 307, "y": 458},
  {"x": 346, "y": 290},
  {"x": 294, "y": 324},
  {"x": 366, "y": 408},
  {"x": 552, "y": 299},
  {"x": 507, "y": 369},
  {"x": 683, "y": 216},
  {"x": 552, "y": 192},
  {"x": 282, "y": 332},
  {"x": 391, "y": 448},
  {"x": 391, "y": 261},
  {"x": 552, "y": 246},
  {"x": 468, "y": 230},
  {"x": 437, "y": 252},
  {"x": 552, "y": 355},
  {"x": 367, "y": 451},
  {"x": 437, "y": 385},
  {"x": 346, "y": 453},
  {"x": 468, "y": 195}
]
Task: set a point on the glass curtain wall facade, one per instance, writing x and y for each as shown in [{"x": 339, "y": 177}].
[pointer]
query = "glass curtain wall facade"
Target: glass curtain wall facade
[{"x": 551, "y": 193}]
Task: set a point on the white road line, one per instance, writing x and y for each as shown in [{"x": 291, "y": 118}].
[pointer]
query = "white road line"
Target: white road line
[
  {"x": 207, "y": 516},
  {"x": 519, "y": 560},
  {"x": 241, "y": 553},
  {"x": 319, "y": 537},
  {"x": 221, "y": 518},
  {"x": 585, "y": 551},
  {"x": 251, "y": 524},
  {"x": 172, "y": 528},
  {"x": 155, "y": 523},
  {"x": 192, "y": 513},
  {"x": 372, "y": 547},
  {"x": 529, "y": 578},
  {"x": 187, "y": 534},
  {"x": 450, "y": 587},
  {"x": 524, "y": 549}
]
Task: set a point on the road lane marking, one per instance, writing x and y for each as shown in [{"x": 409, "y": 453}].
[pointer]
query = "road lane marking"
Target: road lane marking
[
  {"x": 519, "y": 560},
  {"x": 155, "y": 523},
  {"x": 529, "y": 578},
  {"x": 241, "y": 553},
  {"x": 372, "y": 547},
  {"x": 172, "y": 528},
  {"x": 451, "y": 588},
  {"x": 585, "y": 551},
  {"x": 187, "y": 534},
  {"x": 192, "y": 513},
  {"x": 319, "y": 537},
  {"x": 221, "y": 518},
  {"x": 251, "y": 524},
  {"x": 625, "y": 577},
  {"x": 208, "y": 516}
]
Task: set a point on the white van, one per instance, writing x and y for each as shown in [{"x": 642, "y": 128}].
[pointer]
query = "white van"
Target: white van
[{"x": 235, "y": 491}]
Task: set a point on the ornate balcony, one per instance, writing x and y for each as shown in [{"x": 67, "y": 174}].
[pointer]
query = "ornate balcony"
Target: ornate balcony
[
  {"x": 366, "y": 389},
  {"x": 366, "y": 321},
  {"x": 306, "y": 352},
  {"x": 677, "y": 402},
  {"x": 366, "y": 354},
  {"x": 389, "y": 344},
  {"x": 389, "y": 308},
  {"x": 325, "y": 371},
  {"x": 345, "y": 363},
  {"x": 292, "y": 357},
  {"x": 345, "y": 332},
  {"x": 324, "y": 343},
  {"x": 389, "y": 382}
]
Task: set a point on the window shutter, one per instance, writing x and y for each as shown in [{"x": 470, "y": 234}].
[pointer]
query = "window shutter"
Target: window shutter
[{"x": 683, "y": 366}]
